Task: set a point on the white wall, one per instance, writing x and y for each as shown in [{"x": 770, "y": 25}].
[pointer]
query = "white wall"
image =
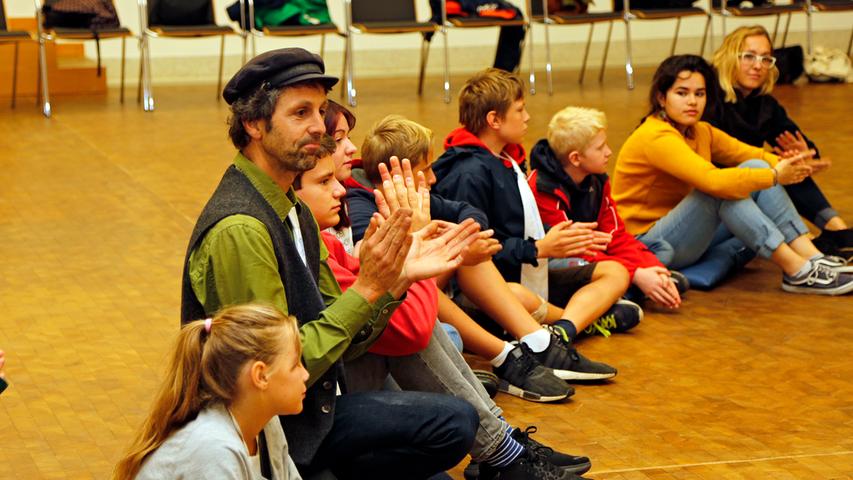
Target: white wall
[{"x": 190, "y": 60}]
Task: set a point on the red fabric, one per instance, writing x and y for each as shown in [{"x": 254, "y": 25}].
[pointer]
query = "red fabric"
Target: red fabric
[
  {"x": 410, "y": 327},
  {"x": 463, "y": 138},
  {"x": 455, "y": 9},
  {"x": 624, "y": 248}
]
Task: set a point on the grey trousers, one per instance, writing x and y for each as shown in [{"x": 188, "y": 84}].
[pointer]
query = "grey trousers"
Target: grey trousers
[{"x": 438, "y": 368}]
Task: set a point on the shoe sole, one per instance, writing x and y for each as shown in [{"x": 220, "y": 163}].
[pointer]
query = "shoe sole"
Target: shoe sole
[
  {"x": 572, "y": 375},
  {"x": 577, "y": 469},
  {"x": 839, "y": 290},
  {"x": 511, "y": 389}
]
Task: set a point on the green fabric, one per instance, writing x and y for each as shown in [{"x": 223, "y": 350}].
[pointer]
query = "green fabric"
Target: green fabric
[
  {"x": 235, "y": 263},
  {"x": 307, "y": 12}
]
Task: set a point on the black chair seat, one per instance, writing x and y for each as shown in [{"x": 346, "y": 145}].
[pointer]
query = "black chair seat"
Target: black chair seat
[
  {"x": 191, "y": 30},
  {"x": 587, "y": 18},
  {"x": 394, "y": 27},
  {"x": 88, "y": 33},
  {"x": 295, "y": 30},
  {"x": 476, "y": 22},
  {"x": 14, "y": 35},
  {"x": 833, "y": 5},
  {"x": 761, "y": 11},
  {"x": 668, "y": 12}
]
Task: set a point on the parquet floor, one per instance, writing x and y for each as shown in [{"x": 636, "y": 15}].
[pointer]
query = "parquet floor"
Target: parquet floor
[{"x": 96, "y": 206}]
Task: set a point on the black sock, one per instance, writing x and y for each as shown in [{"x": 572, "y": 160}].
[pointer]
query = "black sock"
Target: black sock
[{"x": 568, "y": 327}]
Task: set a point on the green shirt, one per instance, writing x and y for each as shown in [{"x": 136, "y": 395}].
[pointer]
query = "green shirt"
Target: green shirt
[{"x": 235, "y": 263}]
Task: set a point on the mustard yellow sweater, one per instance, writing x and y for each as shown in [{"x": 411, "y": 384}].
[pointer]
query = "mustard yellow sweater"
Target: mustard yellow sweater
[{"x": 657, "y": 167}]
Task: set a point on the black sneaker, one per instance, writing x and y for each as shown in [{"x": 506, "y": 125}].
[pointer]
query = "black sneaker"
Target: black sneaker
[
  {"x": 820, "y": 280},
  {"x": 568, "y": 364},
  {"x": 570, "y": 463},
  {"x": 838, "y": 243},
  {"x": 680, "y": 280},
  {"x": 489, "y": 380},
  {"x": 521, "y": 375},
  {"x": 621, "y": 317},
  {"x": 528, "y": 466}
]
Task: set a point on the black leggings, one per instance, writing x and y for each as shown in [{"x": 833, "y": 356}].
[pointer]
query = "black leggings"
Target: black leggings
[{"x": 811, "y": 202}]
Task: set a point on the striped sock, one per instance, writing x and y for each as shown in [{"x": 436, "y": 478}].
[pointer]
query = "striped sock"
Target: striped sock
[{"x": 508, "y": 450}]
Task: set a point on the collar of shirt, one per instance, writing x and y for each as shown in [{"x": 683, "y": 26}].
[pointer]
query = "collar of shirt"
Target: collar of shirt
[{"x": 280, "y": 201}]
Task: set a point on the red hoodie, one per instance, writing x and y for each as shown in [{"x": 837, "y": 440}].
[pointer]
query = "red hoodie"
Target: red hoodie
[{"x": 410, "y": 327}]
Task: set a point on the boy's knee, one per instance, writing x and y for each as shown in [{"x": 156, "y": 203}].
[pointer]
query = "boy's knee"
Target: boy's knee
[{"x": 613, "y": 273}]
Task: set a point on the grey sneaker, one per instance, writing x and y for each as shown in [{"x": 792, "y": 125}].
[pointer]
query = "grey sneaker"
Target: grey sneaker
[
  {"x": 836, "y": 263},
  {"x": 521, "y": 375},
  {"x": 820, "y": 280}
]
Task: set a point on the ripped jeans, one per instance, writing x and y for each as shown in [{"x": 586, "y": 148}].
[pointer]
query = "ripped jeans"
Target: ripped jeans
[{"x": 762, "y": 221}]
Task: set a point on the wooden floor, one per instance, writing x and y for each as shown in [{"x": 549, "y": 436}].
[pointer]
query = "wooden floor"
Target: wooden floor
[{"x": 97, "y": 204}]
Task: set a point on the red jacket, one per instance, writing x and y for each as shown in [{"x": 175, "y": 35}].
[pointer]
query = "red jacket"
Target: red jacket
[
  {"x": 410, "y": 327},
  {"x": 554, "y": 189}
]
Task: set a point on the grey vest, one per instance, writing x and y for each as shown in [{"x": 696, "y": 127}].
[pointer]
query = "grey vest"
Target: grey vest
[{"x": 236, "y": 195}]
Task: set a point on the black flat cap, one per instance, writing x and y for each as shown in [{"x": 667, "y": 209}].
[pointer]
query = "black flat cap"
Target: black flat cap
[{"x": 276, "y": 69}]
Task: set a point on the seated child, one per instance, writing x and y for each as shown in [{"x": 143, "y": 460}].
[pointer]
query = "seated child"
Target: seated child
[
  {"x": 477, "y": 278},
  {"x": 417, "y": 352},
  {"x": 480, "y": 166},
  {"x": 215, "y": 416},
  {"x": 570, "y": 183}
]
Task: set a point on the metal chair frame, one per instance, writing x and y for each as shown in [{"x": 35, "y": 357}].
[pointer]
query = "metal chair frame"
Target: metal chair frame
[
  {"x": 46, "y": 35},
  {"x": 819, "y": 6},
  {"x": 146, "y": 31},
  {"x": 630, "y": 15},
  {"x": 248, "y": 18},
  {"x": 459, "y": 23},
  {"x": 725, "y": 12},
  {"x": 353, "y": 28},
  {"x": 547, "y": 20},
  {"x": 13, "y": 37}
]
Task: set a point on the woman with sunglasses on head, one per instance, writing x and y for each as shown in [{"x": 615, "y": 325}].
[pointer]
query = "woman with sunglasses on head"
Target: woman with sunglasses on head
[
  {"x": 216, "y": 415},
  {"x": 746, "y": 110},
  {"x": 674, "y": 198}
]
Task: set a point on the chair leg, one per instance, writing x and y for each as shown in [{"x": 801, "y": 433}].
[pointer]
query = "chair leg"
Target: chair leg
[
  {"x": 629, "y": 68},
  {"x": 45, "y": 92},
  {"x": 221, "y": 67},
  {"x": 775, "y": 31},
  {"x": 245, "y": 39},
  {"x": 323, "y": 45},
  {"x": 147, "y": 90},
  {"x": 787, "y": 26},
  {"x": 123, "y": 60},
  {"x": 344, "y": 77},
  {"x": 606, "y": 51},
  {"x": 254, "y": 47},
  {"x": 675, "y": 37},
  {"x": 850, "y": 42},
  {"x": 15, "y": 75},
  {"x": 424, "y": 57},
  {"x": 532, "y": 65},
  {"x": 548, "y": 66},
  {"x": 350, "y": 72},
  {"x": 705, "y": 36},
  {"x": 586, "y": 53},
  {"x": 446, "y": 66},
  {"x": 139, "y": 85}
]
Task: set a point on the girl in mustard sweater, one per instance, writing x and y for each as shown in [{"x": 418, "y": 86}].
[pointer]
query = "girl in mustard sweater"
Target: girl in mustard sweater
[{"x": 675, "y": 199}]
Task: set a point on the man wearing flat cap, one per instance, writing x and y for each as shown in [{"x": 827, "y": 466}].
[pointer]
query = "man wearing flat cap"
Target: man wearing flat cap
[{"x": 255, "y": 242}]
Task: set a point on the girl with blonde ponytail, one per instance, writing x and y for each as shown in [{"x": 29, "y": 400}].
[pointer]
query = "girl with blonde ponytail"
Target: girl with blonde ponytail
[{"x": 215, "y": 415}]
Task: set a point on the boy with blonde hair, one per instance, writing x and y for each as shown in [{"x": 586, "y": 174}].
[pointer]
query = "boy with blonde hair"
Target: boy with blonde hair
[
  {"x": 570, "y": 183},
  {"x": 481, "y": 166}
]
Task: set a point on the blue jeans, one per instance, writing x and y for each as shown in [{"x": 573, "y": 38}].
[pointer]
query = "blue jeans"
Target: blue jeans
[
  {"x": 437, "y": 368},
  {"x": 762, "y": 221},
  {"x": 393, "y": 435}
]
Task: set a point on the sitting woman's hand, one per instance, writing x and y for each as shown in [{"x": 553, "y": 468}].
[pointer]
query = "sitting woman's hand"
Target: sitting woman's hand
[{"x": 793, "y": 167}]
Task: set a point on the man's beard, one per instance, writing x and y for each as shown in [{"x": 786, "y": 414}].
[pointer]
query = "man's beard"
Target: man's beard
[{"x": 299, "y": 160}]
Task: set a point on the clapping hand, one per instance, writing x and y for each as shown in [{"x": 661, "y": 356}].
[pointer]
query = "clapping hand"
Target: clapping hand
[
  {"x": 795, "y": 142},
  {"x": 439, "y": 248},
  {"x": 401, "y": 191}
]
